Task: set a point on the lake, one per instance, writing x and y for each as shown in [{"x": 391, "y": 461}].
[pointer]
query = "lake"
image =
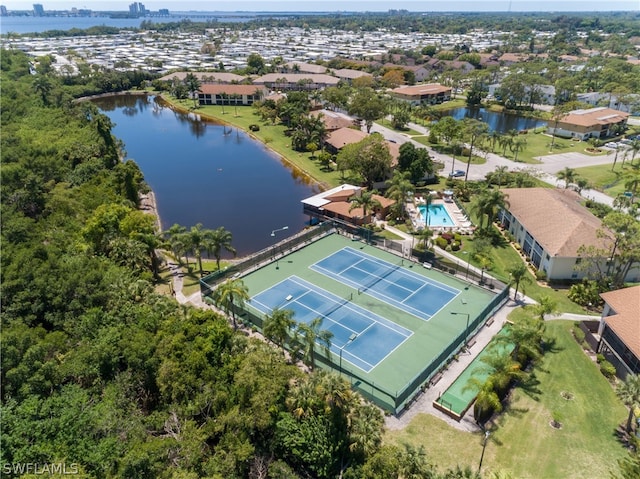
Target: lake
[
  {"x": 501, "y": 122},
  {"x": 207, "y": 173}
]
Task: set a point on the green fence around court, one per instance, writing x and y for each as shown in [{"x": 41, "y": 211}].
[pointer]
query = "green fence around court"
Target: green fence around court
[
  {"x": 391, "y": 401},
  {"x": 395, "y": 401}
]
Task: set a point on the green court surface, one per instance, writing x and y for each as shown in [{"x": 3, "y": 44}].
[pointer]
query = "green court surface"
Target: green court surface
[
  {"x": 458, "y": 397},
  {"x": 394, "y": 380}
]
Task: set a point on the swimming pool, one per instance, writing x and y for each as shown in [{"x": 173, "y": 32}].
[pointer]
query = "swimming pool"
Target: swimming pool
[{"x": 438, "y": 215}]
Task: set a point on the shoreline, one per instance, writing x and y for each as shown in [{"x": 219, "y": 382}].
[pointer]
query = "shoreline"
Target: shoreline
[{"x": 293, "y": 166}]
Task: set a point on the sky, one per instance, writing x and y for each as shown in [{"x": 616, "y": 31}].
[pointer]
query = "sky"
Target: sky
[{"x": 334, "y": 5}]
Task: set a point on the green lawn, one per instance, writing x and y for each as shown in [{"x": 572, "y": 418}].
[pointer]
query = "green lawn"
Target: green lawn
[
  {"x": 387, "y": 124},
  {"x": 522, "y": 441},
  {"x": 601, "y": 176}
]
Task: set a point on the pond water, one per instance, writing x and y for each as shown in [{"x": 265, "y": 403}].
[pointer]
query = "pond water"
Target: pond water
[
  {"x": 497, "y": 121},
  {"x": 207, "y": 173}
]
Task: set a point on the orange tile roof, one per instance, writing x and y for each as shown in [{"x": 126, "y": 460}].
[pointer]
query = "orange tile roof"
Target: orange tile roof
[
  {"x": 344, "y": 136},
  {"x": 424, "y": 89},
  {"x": 594, "y": 116},
  {"x": 626, "y": 320},
  {"x": 556, "y": 219}
]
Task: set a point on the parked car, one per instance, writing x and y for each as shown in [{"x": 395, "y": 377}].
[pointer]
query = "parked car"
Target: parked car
[
  {"x": 456, "y": 174},
  {"x": 611, "y": 144}
]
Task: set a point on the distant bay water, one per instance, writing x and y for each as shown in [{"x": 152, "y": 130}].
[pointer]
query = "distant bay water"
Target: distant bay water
[{"x": 29, "y": 24}]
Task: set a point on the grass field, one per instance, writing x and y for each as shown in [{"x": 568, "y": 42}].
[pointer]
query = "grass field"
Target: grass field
[
  {"x": 601, "y": 176},
  {"x": 522, "y": 441}
]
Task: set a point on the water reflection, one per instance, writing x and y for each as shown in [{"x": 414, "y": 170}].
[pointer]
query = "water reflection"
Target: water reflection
[
  {"x": 497, "y": 121},
  {"x": 202, "y": 172}
]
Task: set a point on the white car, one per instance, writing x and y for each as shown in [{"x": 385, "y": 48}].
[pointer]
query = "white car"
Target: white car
[{"x": 612, "y": 144}]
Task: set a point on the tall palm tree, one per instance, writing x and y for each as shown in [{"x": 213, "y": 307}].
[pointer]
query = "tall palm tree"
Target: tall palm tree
[
  {"x": 230, "y": 295},
  {"x": 425, "y": 236},
  {"x": 312, "y": 334},
  {"x": 488, "y": 202},
  {"x": 487, "y": 400},
  {"x": 526, "y": 336},
  {"x": 502, "y": 369},
  {"x": 217, "y": 240},
  {"x": 629, "y": 393},
  {"x": 198, "y": 240},
  {"x": 473, "y": 130},
  {"x": 178, "y": 242},
  {"x": 277, "y": 326},
  {"x": 365, "y": 430},
  {"x": 568, "y": 175},
  {"x": 518, "y": 274},
  {"x": 399, "y": 187},
  {"x": 635, "y": 148},
  {"x": 517, "y": 145},
  {"x": 366, "y": 201},
  {"x": 193, "y": 85}
]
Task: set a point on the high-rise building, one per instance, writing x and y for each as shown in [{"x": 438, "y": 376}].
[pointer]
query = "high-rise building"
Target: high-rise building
[
  {"x": 137, "y": 8},
  {"x": 38, "y": 10},
  {"x": 3, "y": 11}
]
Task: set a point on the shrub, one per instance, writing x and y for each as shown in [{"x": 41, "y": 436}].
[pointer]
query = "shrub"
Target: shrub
[
  {"x": 254, "y": 127},
  {"x": 447, "y": 236},
  {"x": 607, "y": 369},
  {"x": 578, "y": 334},
  {"x": 457, "y": 237},
  {"x": 599, "y": 357},
  {"x": 541, "y": 275},
  {"x": 455, "y": 246},
  {"x": 441, "y": 242},
  {"x": 267, "y": 139}
]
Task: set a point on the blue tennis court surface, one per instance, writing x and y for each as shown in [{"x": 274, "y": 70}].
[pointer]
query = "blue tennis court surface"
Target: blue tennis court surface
[
  {"x": 364, "y": 338},
  {"x": 404, "y": 289}
]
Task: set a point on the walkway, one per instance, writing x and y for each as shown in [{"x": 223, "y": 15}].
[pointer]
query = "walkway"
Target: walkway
[{"x": 545, "y": 171}]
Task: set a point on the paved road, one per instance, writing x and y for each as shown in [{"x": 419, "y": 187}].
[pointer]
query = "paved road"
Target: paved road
[{"x": 546, "y": 170}]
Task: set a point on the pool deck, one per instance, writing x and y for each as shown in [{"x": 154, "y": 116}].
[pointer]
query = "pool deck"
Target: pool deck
[{"x": 461, "y": 224}]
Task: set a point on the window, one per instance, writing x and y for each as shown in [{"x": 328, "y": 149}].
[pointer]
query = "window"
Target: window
[
  {"x": 548, "y": 257},
  {"x": 574, "y": 276}
]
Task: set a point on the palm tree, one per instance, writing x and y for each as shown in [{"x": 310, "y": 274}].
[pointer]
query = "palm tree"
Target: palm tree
[
  {"x": 568, "y": 175},
  {"x": 488, "y": 202},
  {"x": 425, "y": 236},
  {"x": 197, "y": 240},
  {"x": 177, "y": 242},
  {"x": 473, "y": 130},
  {"x": 546, "y": 305},
  {"x": 366, "y": 201},
  {"x": 399, "y": 187},
  {"x": 230, "y": 295},
  {"x": 365, "y": 430},
  {"x": 487, "y": 400},
  {"x": 517, "y": 145},
  {"x": 311, "y": 333},
  {"x": 193, "y": 85},
  {"x": 518, "y": 274},
  {"x": 277, "y": 326},
  {"x": 525, "y": 335},
  {"x": 499, "y": 172},
  {"x": 428, "y": 199},
  {"x": 629, "y": 393},
  {"x": 502, "y": 369},
  {"x": 581, "y": 184},
  {"x": 217, "y": 240}
]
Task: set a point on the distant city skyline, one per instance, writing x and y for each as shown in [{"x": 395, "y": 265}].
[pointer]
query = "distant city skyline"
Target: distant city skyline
[{"x": 332, "y": 5}]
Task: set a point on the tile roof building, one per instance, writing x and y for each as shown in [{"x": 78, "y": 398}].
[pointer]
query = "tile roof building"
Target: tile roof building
[
  {"x": 336, "y": 203},
  {"x": 551, "y": 225},
  {"x": 429, "y": 93},
  {"x": 620, "y": 330},
  {"x": 214, "y": 94},
  {"x": 589, "y": 123},
  {"x": 206, "y": 77}
]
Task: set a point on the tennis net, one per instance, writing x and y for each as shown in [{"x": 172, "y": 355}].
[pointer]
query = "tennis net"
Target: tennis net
[{"x": 377, "y": 278}]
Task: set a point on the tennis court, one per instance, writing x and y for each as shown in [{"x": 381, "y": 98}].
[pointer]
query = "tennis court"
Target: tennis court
[
  {"x": 404, "y": 289},
  {"x": 359, "y": 336}
]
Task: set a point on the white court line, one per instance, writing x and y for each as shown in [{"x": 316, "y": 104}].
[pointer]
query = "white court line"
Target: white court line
[{"x": 347, "y": 306}]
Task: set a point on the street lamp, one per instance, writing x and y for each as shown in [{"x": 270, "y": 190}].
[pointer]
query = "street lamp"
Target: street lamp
[
  {"x": 466, "y": 276},
  {"x": 273, "y": 233},
  {"x": 484, "y": 445},
  {"x": 351, "y": 338},
  {"x": 466, "y": 329}
]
